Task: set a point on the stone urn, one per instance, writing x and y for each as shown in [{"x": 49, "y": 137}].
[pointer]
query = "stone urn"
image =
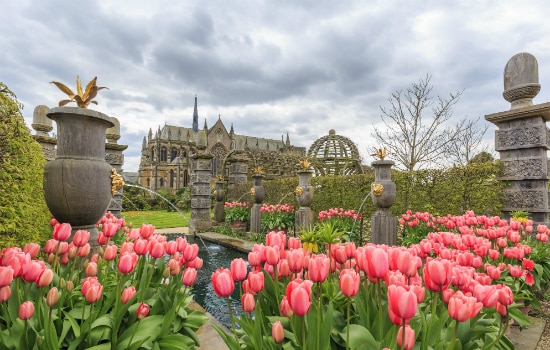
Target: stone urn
[
  {"x": 304, "y": 191},
  {"x": 77, "y": 184},
  {"x": 259, "y": 190},
  {"x": 383, "y": 196}
]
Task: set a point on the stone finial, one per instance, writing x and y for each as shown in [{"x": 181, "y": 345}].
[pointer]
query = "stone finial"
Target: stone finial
[
  {"x": 521, "y": 80},
  {"x": 40, "y": 122},
  {"x": 113, "y": 134}
]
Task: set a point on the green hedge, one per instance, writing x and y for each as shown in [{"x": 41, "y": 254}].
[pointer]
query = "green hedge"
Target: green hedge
[
  {"x": 449, "y": 191},
  {"x": 24, "y": 216}
]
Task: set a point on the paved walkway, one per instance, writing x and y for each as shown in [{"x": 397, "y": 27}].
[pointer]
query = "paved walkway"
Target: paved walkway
[{"x": 526, "y": 339}]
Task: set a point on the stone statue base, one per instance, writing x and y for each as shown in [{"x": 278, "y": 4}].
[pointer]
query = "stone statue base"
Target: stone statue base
[
  {"x": 219, "y": 212},
  {"x": 255, "y": 218},
  {"x": 384, "y": 227},
  {"x": 304, "y": 219}
]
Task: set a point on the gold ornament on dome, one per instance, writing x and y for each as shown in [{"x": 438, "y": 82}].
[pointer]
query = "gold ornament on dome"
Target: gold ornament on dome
[
  {"x": 377, "y": 189},
  {"x": 83, "y": 98},
  {"x": 380, "y": 153},
  {"x": 299, "y": 191},
  {"x": 257, "y": 170},
  {"x": 117, "y": 182},
  {"x": 252, "y": 191}
]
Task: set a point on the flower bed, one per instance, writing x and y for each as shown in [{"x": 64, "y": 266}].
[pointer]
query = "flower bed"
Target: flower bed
[
  {"x": 280, "y": 217},
  {"x": 237, "y": 211},
  {"x": 65, "y": 296},
  {"x": 455, "y": 289}
]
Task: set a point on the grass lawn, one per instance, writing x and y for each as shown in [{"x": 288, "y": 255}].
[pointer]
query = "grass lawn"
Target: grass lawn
[{"x": 159, "y": 219}]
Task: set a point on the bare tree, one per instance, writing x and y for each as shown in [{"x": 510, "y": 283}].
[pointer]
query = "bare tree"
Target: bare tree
[
  {"x": 469, "y": 142},
  {"x": 415, "y": 130}
]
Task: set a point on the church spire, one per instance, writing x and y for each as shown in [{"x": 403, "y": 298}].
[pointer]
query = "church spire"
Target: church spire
[{"x": 195, "y": 117}]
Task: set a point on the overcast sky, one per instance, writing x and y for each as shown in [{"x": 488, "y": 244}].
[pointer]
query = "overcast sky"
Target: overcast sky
[{"x": 268, "y": 67}]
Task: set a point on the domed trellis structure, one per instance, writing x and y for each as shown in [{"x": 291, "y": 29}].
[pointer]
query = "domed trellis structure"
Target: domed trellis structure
[{"x": 334, "y": 155}]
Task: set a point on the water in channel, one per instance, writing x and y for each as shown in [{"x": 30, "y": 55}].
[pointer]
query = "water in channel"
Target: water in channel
[{"x": 215, "y": 256}]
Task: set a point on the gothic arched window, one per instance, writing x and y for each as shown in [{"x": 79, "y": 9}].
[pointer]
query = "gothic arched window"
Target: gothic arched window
[{"x": 163, "y": 154}]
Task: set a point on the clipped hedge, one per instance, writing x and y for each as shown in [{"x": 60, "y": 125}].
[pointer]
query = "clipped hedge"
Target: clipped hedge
[
  {"x": 24, "y": 216},
  {"x": 449, "y": 191}
]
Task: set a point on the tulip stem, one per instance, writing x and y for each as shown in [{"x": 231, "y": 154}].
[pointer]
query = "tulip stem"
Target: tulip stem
[
  {"x": 276, "y": 281},
  {"x": 403, "y": 335},
  {"x": 455, "y": 334},
  {"x": 133, "y": 333},
  {"x": 347, "y": 328},
  {"x": 232, "y": 320},
  {"x": 380, "y": 309},
  {"x": 303, "y": 333}
]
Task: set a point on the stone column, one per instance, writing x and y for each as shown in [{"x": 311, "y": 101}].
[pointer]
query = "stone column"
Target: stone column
[
  {"x": 522, "y": 140},
  {"x": 114, "y": 156},
  {"x": 258, "y": 192},
  {"x": 383, "y": 223},
  {"x": 201, "y": 178},
  {"x": 43, "y": 125},
  {"x": 219, "y": 196},
  {"x": 304, "y": 217},
  {"x": 238, "y": 169}
]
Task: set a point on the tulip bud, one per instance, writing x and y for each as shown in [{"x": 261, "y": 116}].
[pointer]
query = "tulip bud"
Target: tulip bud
[
  {"x": 70, "y": 286},
  {"x": 127, "y": 294},
  {"x": 5, "y": 293},
  {"x": 52, "y": 297},
  {"x": 278, "y": 332},
  {"x": 166, "y": 272},
  {"x": 26, "y": 310},
  {"x": 142, "y": 311}
]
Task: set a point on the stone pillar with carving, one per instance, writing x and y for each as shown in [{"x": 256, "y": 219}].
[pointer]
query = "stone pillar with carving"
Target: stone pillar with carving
[
  {"x": 43, "y": 125},
  {"x": 522, "y": 140},
  {"x": 258, "y": 192},
  {"x": 219, "y": 196},
  {"x": 383, "y": 222},
  {"x": 114, "y": 156},
  {"x": 201, "y": 178},
  {"x": 304, "y": 217},
  {"x": 238, "y": 168}
]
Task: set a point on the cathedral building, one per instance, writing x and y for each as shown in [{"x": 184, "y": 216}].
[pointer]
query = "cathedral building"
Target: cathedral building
[{"x": 166, "y": 158}]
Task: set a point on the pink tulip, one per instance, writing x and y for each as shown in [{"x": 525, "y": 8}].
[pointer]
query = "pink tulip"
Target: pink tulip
[
  {"x": 5, "y": 294},
  {"x": 256, "y": 281},
  {"x": 174, "y": 266},
  {"x": 127, "y": 294},
  {"x": 146, "y": 230},
  {"x": 278, "y": 332},
  {"x": 190, "y": 252},
  {"x": 195, "y": 263},
  {"x": 91, "y": 269},
  {"x": 157, "y": 250},
  {"x": 52, "y": 297},
  {"x": 32, "y": 249},
  {"x": 349, "y": 282},
  {"x": 61, "y": 231},
  {"x": 318, "y": 268},
  {"x": 33, "y": 270},
  {"x": 91, "y": 289},
  {"x": 140, "y": 246},
  {"x": 45, "y": 278},
  {"x": 294, "y": 243},
  {"x": 298, "y": 293},
  {"x": 437, "y": 274},
  {"x": 81, "y": 238},
  {"x": 6, "y": 276},
  {"x": 254, "y": 258},
  {"x": 110, "y": 252},
  {"x": 189, "y": 276},
  {"x": 272, "y": 255},
  {"x": 110, "y": 229},
  {"x": 142, "y": 311},
  {"x": 26, "y": 310},
  {"x": 238, "y": 269},
  {"x": 223, "y": 282},
  {"x": 84, "y": 250},
  {"x": 171, "y": 247},
  {"x": 127, "y": 262},
  {"x": 284, "y": 307},
  {"x": 462, "y": 307},
  {"x": 410, "y": 337},
  {"x": 403, "y": 303},
  {"x": 248, "y": 303}
]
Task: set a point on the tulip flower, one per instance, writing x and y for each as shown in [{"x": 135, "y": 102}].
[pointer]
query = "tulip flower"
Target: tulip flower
[
  {"x": 45, "y": 278},
  {"x": 26, "y": 310},
  {"x": 403, "y": 303},
  {"x": 278, "y": 332},
  {"x": 190, "y": 252},
  {"x": 61, "y": 232},
  {"x": 127, "y": 262},
  {"x": 81, "y": 238},
  {"x": 157, "y": 250},
  {"x": 189, "y": 276},
  {"x": 52, "y": 297},
  {"x": 349, "y": 282},
  {"x": 91, "y": 269},
  {"x": 462, "y": 307},
  {"x": 298, "y": 293},
  {"x": 319, "y": 267},
  {"x": 406, "y": 337},
  {"x": 284, "y": 307},
  {"x": 437, "y": 274},
  {"x": 256, "y": 281},
  {"x": 6, "y": 276},
  {"x": 5, "y": 294},
  {"x": 146, "y": 230},
  {"x": 33, "y": 269},
  {"x": 32, "y": 249},
  {"x": 142, "y": 311},
  {"x": 110, "y": 252},
  {"x": 248, "y": 303},
  {"x": 238, "y": 269},
  {"x": 223, "y": 283},
  {"x": 127, "y": 294}
]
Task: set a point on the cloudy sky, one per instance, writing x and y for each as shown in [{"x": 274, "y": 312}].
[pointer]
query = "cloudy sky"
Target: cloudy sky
[{"x": 268, "y": 67}]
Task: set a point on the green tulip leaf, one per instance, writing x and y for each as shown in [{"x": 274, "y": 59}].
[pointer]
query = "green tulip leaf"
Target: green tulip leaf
[{"x": 360, "y": 338}]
